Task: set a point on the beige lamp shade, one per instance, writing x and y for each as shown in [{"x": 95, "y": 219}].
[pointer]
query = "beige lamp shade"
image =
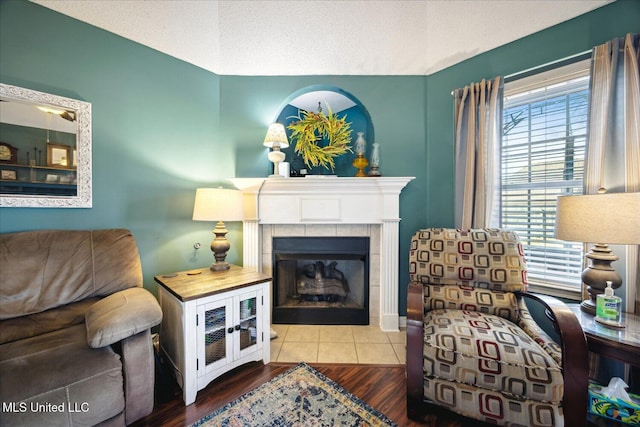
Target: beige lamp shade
[
  {"x": 276, "y": 136},
  {"x": 218, "y": 204},
  {"x": 612, "y": 218}
]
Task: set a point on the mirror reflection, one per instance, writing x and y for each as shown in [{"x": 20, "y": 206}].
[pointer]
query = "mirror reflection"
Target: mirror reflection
[{"x": 45, "y": 147}]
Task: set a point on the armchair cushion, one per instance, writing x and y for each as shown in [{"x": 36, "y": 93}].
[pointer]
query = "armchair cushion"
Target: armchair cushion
[
  {"x": 492, "y": 407},
  {"x": 59, "y": 368},
  {"x": 121, "y": 315},
  {"x": 31, "y": 325},
  {"x": 490, "y": 352},
  {"x": 502, "y": 304},
  {"x": 484, "y": 258}
]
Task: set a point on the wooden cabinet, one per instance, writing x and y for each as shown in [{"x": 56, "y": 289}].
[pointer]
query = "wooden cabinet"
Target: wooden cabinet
[{"x": 213, "y": 321}]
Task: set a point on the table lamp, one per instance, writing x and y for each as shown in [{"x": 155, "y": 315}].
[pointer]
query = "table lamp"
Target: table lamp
[
  {"x": 276, "y": 139},
  {"x": 218, "y": 204},
  {"x": 598, "y": 218}
]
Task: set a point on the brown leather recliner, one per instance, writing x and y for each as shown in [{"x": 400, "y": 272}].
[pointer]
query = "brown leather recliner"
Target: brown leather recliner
[{"x": 75, "y": 343}]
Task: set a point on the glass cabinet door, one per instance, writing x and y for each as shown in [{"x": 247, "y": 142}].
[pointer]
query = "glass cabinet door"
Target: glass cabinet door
[
  {"x": 214, "y": 323},
  {"x": 248, "y": 320},
  {"x": 228, "y": 329}
]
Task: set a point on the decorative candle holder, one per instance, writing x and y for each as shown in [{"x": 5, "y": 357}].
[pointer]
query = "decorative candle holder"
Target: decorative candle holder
[{"x": 360, "y": 162}]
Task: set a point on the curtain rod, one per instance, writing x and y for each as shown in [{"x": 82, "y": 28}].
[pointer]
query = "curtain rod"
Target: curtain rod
[
  {"x": 553, "y": 64},
  {"x": 543, "y": 67}
]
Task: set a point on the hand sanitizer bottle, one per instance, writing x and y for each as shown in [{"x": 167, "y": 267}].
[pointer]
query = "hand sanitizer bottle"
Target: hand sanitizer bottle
[{"x": 608, "y": 307}]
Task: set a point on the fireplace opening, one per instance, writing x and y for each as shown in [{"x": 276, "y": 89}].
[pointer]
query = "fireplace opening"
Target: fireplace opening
[{"x": 321, "y": 280}]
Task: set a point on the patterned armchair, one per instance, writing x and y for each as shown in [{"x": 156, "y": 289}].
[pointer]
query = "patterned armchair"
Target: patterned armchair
[{"x": 472, "y": 345}]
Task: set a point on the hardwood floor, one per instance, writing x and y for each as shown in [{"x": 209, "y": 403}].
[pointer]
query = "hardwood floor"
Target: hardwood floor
[{"x": 382, "y": 387}]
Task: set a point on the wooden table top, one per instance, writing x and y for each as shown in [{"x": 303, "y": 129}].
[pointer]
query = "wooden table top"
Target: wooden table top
[{"x": 200, "y": 283}]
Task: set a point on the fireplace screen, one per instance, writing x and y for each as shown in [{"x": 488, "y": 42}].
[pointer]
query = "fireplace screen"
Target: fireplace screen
[{"x": 321, "y": 280}]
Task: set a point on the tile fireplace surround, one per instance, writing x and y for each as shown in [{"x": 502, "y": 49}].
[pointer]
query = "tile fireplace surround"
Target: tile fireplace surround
[{"x": 329, "y": 206}]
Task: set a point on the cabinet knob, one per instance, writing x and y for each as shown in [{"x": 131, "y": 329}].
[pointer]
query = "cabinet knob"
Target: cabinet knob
[
  {"x": 237, "y": 327},
  {"x": 230, "y": 330}
]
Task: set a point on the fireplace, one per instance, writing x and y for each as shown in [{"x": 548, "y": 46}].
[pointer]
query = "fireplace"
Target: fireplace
[
  {"x": 329, "y": 207},
  {"x": 320, "y": 280}
]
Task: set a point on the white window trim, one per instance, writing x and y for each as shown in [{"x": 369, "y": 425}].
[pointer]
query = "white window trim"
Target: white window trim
[
  {"x": 529, "y": 84},
  {"x": 556, "y": 290},
  {"x": 548, "y": 78}
]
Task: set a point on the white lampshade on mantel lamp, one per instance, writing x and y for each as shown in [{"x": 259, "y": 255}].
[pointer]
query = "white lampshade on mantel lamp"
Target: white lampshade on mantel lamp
[
  {"x": 218, "y": 204},
  {"x": 276, "y": 139},
  {"x": 601, "y": 219}
]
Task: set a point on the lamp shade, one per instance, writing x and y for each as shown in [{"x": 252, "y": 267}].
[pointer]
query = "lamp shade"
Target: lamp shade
[
  {"x": 612, "y": 218},
  {"x": 276, "y": 136},
  {"x": 218, "y": 204}
]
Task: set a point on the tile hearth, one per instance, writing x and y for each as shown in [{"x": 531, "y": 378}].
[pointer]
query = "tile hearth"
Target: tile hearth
[{"x": 338, "y": 344}]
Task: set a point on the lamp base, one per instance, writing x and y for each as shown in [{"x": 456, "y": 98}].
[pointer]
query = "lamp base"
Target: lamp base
[
  {"x": 220, "y": 246},
  {"x": 597, "y": 274},
  {"x": 588, "y": 307},
  {"x": 276, "y": 156},
  {"x": 220, "y": 266}
]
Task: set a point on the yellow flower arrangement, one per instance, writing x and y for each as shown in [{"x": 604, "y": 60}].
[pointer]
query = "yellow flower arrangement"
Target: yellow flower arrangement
[{"x": 310, "y": 128}]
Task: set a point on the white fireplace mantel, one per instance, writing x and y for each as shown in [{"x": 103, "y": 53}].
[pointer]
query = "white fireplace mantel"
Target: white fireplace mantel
[{"x": 329, "y": 200}]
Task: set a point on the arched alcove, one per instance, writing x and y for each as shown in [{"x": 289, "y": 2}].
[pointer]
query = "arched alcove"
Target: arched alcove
[{"x": 342, "y": 104}]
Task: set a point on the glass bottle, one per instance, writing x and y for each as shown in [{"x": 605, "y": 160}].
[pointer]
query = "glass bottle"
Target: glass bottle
[
  {"x": 360, "y": 162},
  {"x": 361, "y": 144},
  {"x": 375, "y": 160}
]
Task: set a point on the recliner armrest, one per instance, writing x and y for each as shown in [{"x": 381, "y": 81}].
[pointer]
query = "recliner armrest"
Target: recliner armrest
[
  {"x": 121, "y": 315},
  {"x": 575, "y": 359},
  {"x": 415, "y": 343}
]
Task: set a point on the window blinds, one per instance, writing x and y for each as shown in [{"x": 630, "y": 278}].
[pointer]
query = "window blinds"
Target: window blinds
[{"x": 543, "y": 146}]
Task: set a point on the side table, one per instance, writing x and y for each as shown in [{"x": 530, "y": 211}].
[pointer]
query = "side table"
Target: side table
[
  {"x": 213, "y": 321},
  {"x": 619, "y": 344}
]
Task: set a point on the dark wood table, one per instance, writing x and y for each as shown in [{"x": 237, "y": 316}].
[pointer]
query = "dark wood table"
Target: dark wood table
[{"x": 619, "y": 344}]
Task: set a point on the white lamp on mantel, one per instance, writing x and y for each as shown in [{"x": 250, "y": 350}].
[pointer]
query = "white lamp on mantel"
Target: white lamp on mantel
[
  {"x": 276, "y": 139},
  {"x": 218, "y": 204},
  {"x": 602, "y": 219}
]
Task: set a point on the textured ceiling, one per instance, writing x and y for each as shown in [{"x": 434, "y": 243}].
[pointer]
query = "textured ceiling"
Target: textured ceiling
[{"x": 327, "y": 37}]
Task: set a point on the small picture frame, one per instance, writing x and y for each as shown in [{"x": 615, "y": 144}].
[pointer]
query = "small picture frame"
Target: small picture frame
[
  {"x": 9, "y": 175},
  {"x": 66, "y": 179},
  {"x": 58, "y": 155}
]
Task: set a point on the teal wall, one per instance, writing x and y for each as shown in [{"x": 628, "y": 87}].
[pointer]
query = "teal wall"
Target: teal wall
[
  {"x": 162, "y": 128},
  {"x": 155, "y": 132}
]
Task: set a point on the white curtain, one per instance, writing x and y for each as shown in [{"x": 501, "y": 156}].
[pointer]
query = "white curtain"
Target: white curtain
[
  {"x": 478, "y": 127},
  {"x": 613, "y": 149}
]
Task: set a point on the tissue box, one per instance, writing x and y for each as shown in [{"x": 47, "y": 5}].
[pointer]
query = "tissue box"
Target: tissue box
[{"x": 626, "y": 411}]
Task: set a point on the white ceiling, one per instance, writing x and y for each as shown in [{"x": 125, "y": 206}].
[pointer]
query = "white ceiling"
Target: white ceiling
[
  {"x": 323, "y": 37},
  {"x": 25, "y": 114}
]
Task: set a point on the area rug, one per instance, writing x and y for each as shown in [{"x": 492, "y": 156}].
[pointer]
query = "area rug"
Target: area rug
[{"x": 300, "y": 396}]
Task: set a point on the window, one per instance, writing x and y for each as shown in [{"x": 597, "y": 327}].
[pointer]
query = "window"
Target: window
[{"x": 543, "y": 145}]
